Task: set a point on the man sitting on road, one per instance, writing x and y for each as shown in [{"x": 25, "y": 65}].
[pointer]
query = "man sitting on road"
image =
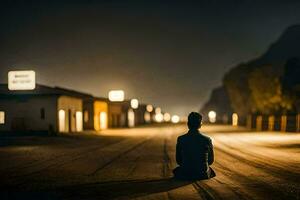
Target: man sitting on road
[{"x": 194, "y": 152}]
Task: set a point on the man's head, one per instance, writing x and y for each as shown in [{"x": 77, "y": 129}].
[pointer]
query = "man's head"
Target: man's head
[{"x": 194, "y": 120}]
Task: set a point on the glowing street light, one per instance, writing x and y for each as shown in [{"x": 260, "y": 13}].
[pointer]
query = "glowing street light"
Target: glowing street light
[
  {"x": 167, "y": 117},
  {"x": 134, "y": 103},
  {"x": 175, "y": 119},
  {"x": 149, "y": 108},
  {"x": 157, "y": 110},
  {"x": 159, "y": 117},
  {"x": 212, "y": 116},
  {"x": 116, "y": 95}
]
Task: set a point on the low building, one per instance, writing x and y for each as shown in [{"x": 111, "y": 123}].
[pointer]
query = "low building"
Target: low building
[
  {"x": 42, "y": 109},
  {"x": 118, "y": 114}
]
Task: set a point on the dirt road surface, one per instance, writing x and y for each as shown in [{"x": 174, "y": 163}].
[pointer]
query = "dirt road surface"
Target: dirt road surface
[{"x": 137, "y": 164}]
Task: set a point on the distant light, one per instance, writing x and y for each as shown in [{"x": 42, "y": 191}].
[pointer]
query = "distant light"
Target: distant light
[
  {"x": 103, "y": 120},
  {"x": 149, "y": 108},
  {"x": 157, "y": 110},
  {"x": 130, "y": 116},
  {"x": 175, "y": 119},
  {"x": 147, "y": 117},
  {"x": 116, "y": 95},
  {"x": 21, "y": 80},
  {"x": 2, "y": 117},
  {"x": 134, "y": 103},
  {"x": 167, "y": 117},
  {"x": 212, "y": 116},
  {"x": 62, "y": 121},
  {"x": 235, "y": 119},
  {"x": 79, "y": 119},
  {"x": 159, "y": 117}
]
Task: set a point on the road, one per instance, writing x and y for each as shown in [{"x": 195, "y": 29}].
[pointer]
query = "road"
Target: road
[{"x": 137, "y": 164}]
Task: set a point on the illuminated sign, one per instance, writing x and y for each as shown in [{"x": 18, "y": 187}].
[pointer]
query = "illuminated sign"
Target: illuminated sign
[
  {"x": 116, "y": 95},
  {"x": 21, "y": 80}
]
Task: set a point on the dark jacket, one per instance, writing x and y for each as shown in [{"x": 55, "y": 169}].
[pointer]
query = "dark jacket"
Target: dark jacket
[{"x": 194, "y": 153}]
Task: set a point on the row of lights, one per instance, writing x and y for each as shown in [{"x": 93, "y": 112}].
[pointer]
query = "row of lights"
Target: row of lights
[
  {"x": 212, "y": 117},
  {"x": 119, "y": 96}
]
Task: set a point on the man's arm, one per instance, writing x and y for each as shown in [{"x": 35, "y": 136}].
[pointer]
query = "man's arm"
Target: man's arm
[
  {"x": 178, "y": 152},
  {"x": 210, "y": 153}
]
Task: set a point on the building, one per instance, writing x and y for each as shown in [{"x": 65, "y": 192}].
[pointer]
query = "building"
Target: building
[
  {"x": 95, "y": 113},
  {"x": 58, "y": 109},
  {"x": 42, "y": 109},
  {"x": 119, "y": 114}
]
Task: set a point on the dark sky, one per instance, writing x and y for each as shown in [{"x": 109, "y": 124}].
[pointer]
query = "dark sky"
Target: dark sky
[{"x": 171, "y": 54}]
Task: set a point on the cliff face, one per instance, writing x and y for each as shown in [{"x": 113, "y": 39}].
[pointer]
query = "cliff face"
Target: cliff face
[
  {"x": 218, "y": 102},
  {"x": 236, "y": 81}
]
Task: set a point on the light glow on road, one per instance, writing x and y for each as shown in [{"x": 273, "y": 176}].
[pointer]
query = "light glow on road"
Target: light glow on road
[
  {"x": 21, "y": 80},
  {"x": 175, "y": 119},
  {"x": 212, "y": 116},
  {"x": 134, "y": 103},
  {"x": 116, "y": 95}
]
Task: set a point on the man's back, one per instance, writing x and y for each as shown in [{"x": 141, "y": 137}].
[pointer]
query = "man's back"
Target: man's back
[{"x": 194, "y": 153}]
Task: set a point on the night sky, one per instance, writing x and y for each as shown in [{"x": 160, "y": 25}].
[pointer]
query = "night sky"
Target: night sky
[{"x": 169, "y": 54}]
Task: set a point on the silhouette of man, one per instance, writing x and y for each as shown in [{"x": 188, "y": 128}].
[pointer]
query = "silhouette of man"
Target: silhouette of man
[{"x": 194, "y": 152}]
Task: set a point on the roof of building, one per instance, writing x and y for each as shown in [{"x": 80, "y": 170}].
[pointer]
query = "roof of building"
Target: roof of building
[{"x": 43, "y": 90}]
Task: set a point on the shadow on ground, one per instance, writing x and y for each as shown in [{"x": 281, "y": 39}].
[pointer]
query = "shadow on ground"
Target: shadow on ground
[
  {"x": 126, "y": 189},
  {"x": 120, "y": 189}
]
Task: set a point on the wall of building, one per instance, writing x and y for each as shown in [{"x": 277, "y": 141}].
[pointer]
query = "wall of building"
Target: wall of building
[
  {"x": 100, "y": 115},
  {"x": 70, "y": 105},
  {"x": 117, "y": 114},
  {"x": 29, "y": 113},
  {"x": 140, "y": 115},
  {"x": 88, "y": 114}
]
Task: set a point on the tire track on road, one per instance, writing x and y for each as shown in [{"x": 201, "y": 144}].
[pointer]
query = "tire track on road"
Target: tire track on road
[
  {"x": 205, "y": 192},
  {"x": 259, "y": 184},
  {"x": 166, "y": 160},
  {"x": 57, "y": 158},
  {"x": 118, "y": 156},
  {"x": 26, "y": 177},
  {"x": 270, "y": 169}
]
